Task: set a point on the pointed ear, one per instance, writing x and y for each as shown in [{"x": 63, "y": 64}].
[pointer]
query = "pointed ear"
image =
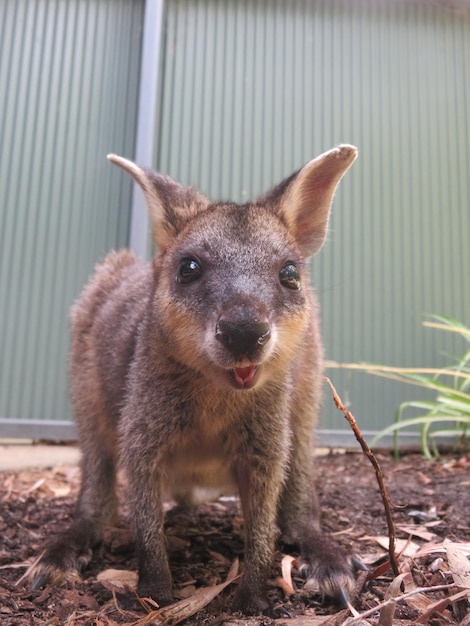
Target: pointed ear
[
  {"x": 170, "y": 204},
  {"x": 303, "y": 201}
]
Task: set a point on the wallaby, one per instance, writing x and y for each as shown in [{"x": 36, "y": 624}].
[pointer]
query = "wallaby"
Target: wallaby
[{"x": 203, "y": 368}]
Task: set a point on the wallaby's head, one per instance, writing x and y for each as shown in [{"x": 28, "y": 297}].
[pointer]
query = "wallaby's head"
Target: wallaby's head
[{"x": 233, "y": 297}]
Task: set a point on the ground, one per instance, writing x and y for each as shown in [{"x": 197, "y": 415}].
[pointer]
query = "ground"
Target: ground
[{"x": 431, "y": 504}]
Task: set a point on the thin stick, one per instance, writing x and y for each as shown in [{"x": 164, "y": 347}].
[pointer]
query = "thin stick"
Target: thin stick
[
  {"x": 378, "y": 472},
  {"x": 375, "y": 609}
]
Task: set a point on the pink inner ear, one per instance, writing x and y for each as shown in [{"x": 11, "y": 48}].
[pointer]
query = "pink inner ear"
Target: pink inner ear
[
  {"x": 309, "y": 196},
  {"x": 307, "y": 216}
]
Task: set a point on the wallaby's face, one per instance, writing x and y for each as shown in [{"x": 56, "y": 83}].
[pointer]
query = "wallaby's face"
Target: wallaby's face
[{"x": 234, "y": 286}]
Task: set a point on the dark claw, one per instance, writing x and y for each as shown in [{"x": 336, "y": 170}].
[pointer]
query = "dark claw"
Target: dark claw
[
  {"x": 279, "y": 612},
  {"x": 358, "y": 564},
  {"x": 343, "y": 597},
  {"x": 39, "y": 582}
]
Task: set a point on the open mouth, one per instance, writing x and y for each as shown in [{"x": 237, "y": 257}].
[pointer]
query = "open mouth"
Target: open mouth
[{"x": 243, "y": 377}]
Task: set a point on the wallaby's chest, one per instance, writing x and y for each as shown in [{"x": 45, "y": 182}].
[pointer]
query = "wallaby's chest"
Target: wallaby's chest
[{"x": 203, "y": 456}]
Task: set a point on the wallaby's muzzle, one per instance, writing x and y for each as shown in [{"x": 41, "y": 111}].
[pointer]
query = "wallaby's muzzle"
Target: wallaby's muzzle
[{"x": 243, "y": 338}]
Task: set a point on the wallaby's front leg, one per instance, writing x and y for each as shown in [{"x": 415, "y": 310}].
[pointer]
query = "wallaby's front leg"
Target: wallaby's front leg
[
  {"x": 260, "y": 481},
  {"x": 145, "y": 494}
]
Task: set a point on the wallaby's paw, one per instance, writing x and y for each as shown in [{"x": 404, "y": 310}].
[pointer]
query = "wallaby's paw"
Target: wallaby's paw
[
  {"x": 59, "y": 562},
  {"x": 333, "y": 573},
  {"x": 333, "y": 580},
  {"x": 50, "y": 572},
  {"x": 50, "y": 576},
  {"x": 67, "y": 555}
]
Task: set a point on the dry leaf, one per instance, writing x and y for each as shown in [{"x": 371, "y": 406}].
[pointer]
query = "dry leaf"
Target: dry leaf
[
  {"x": 416, "y": 531},
  {"x": 424, "y": 479},
  {"x": 78, "y": 599},
  {"x": 285, "y": 582},
  {"x": 380, "y": 570},
  {"x": 218, "y": 558},
  {"x": 184, "y": 592},
  {"x": 440, "y": 605},
  {"x": 387, "y": 612},
  {"x": 286, "y": 588},
  {"x": 439, "y": 548},
  {"x": 433, "y": 523},
  {"x": 118, "y": 579},
  {"x": 39, "y": 483},
  {"x": 179, "y": 611},
  {"x": 394, "y": 589},
  {"x": 60, "y": 492},
  {"x": 403, "y": 547},
  {"x": 419, "y": 602},
  {"x": 458, "y": 563}
]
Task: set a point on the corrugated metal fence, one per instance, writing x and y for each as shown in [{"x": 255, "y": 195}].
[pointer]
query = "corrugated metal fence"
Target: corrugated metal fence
[
  {"x": 254, "y": 89},
  {"x": 69, "y": 75},
  {"x": 250, "y": 90}
]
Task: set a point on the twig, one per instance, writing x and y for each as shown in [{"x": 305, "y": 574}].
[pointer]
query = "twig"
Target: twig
[
  {"x": 375, "y": 609},
  {"x": 378, "y": 472}
]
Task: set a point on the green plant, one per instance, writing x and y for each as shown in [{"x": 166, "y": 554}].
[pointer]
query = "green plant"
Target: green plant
[{"x": 451, "y": 405}]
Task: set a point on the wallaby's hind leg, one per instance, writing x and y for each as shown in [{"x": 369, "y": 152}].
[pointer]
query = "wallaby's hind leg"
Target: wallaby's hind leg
[{"x": 72, "y": 549}]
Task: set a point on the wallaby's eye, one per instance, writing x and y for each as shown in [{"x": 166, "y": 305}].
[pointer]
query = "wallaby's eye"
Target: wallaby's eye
[
  {"x": 290, "y": 277},
  {"x": 189, "y": 270}
]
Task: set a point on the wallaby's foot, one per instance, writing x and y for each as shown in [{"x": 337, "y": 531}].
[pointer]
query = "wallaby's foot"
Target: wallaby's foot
[
  {"x": 249, "y": 602},
  {"x": 57, "y": 563},
  {"x": 155, "y": 582},
  {"x": 324, "y": 562},
  {"x": 67, "y": 555}
]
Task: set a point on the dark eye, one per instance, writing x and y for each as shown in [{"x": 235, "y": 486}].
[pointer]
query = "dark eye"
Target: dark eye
[
  {"x": 290, "y": 277},
  {"x": 189, "y": 270}
]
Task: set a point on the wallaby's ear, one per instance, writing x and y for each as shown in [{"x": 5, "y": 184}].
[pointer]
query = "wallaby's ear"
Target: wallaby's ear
[
  {"x": 303, "y": 201},
  {"x": 170, "y": 204}
]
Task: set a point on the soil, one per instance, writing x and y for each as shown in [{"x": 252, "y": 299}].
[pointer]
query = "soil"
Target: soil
[{"x": 431, "y": 503}]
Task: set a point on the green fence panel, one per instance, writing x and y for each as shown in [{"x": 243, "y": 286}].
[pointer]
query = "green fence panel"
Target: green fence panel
[
  {"x": 69, "y": 74},
  {"x": 253, "y": 89},
  {"x": 249, "y": 91}
]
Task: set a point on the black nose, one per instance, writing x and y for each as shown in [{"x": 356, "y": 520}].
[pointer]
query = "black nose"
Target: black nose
[{"x": 242, "y": 338}]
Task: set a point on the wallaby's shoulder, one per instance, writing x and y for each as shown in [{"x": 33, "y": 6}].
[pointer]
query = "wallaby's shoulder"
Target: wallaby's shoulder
[{"x": 121, "y": 281}]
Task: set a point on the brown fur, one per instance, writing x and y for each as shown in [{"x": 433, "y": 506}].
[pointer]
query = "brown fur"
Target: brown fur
[{"x": 206, "y": 373}]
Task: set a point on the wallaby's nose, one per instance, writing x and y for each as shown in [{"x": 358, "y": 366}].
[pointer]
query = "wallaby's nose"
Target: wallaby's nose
[{"x": 242, "y": 338}]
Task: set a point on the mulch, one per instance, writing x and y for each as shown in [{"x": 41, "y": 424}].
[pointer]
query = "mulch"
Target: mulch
[{"x": 431, "y": 512}]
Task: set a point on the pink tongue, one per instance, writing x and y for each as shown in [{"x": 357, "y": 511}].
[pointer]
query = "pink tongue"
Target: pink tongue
[{"x": 244, "y": 374}]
